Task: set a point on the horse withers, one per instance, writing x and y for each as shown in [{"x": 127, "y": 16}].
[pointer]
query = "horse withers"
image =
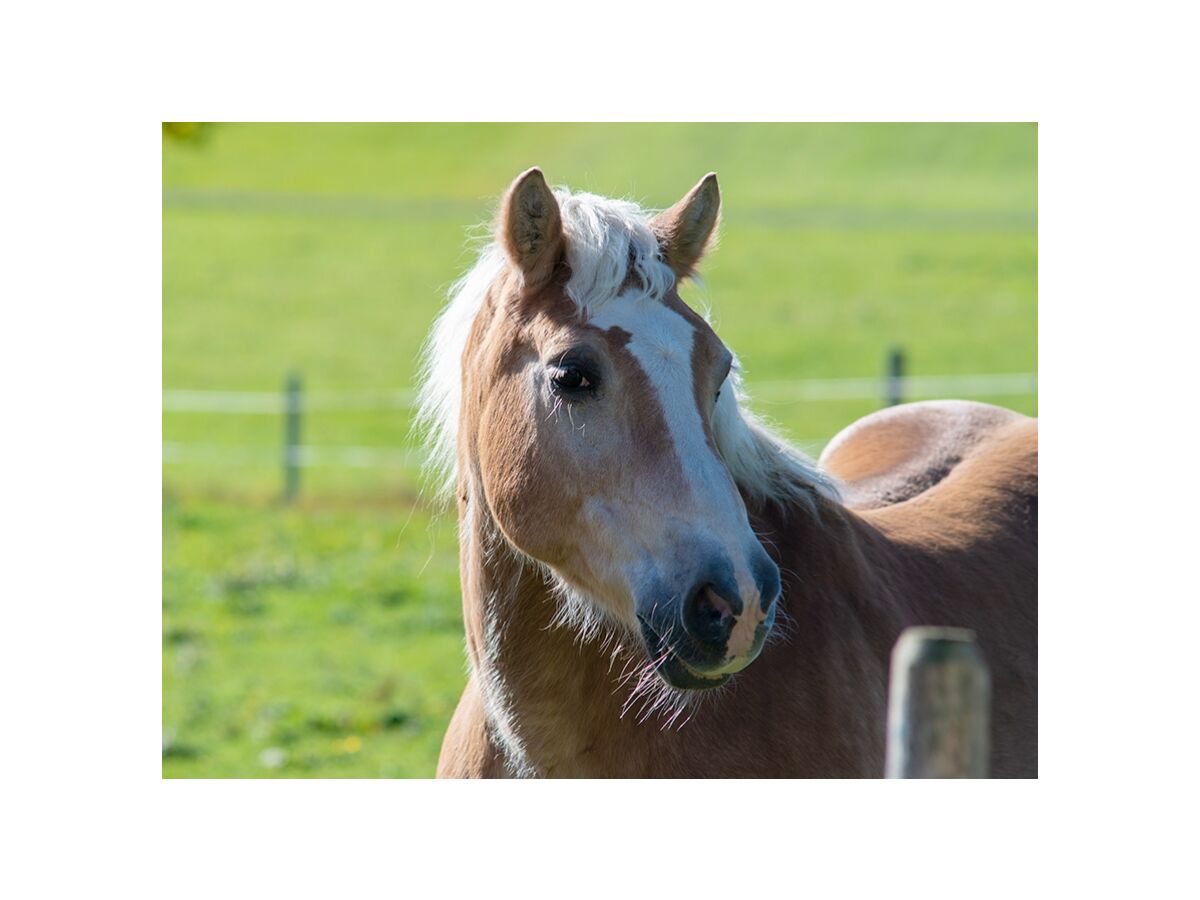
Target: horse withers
[{"x": 656, "y": 585}]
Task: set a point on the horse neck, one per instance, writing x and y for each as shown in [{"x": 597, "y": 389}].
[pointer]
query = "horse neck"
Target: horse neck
[
  {"x": 545, "y": 689},
  {"x": 835, "y": 565}
]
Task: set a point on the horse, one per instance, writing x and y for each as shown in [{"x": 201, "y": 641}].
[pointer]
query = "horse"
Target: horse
[{"x": 654, "y": 583}]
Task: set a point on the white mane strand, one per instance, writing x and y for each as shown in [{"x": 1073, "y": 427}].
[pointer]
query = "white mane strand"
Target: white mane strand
[
  {"x": 440, "y": 397},
  {"x": 607, "y": 241}
]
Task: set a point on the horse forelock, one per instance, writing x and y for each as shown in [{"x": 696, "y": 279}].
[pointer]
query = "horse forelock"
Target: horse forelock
[{"x": 609, "y": 248}]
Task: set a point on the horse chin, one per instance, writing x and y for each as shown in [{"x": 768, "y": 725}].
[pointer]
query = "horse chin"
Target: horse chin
[{"x": 671, "y": 667}]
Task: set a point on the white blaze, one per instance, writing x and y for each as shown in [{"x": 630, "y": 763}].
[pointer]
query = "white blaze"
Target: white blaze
[{"x": 662, "y": 341}]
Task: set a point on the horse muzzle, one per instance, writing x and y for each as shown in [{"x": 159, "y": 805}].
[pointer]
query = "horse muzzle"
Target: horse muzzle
[{"x": 715, "y": 632}]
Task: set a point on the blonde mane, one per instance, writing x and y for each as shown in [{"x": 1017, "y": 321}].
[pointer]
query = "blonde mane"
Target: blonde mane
[{"x": 607, "y": 242}]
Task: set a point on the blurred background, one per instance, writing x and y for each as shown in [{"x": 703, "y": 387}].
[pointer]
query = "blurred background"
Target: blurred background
[{"x": 311, "y": 617}]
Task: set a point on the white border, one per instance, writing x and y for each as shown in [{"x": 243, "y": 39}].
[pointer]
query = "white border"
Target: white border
[{"x": 82, "y": 284}]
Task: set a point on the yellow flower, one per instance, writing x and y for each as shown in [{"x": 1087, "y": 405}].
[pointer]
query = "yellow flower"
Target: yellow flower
[{"x": 351, "y": 744}]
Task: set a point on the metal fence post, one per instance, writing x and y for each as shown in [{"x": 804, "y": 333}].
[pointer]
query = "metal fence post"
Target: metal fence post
[
  {"x": 293, "y": 405},
  {"x": 938, "y": 707},
  {"x": 895, "y": 377}
]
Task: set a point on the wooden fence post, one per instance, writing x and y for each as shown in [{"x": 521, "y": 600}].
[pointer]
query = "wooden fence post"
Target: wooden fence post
[
  {"x": 895, "y": 378},
  {"x": 293, "y": 405},
  {"x": 938, "y": 706}
]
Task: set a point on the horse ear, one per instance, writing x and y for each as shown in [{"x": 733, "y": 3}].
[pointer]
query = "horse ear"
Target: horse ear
[
  {"x": 685, "y": 230},
  {"x": 531, "y": 226}
]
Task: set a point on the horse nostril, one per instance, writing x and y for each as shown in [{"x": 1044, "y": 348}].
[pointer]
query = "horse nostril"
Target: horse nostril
[{"x": 708, "y": 615}]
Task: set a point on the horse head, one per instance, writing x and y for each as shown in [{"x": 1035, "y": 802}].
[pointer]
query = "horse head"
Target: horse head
[{"x": 593, "y": 414}]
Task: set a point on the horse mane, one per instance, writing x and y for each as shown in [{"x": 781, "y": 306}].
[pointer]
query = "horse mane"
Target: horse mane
[{"x": 608, "y": 242}]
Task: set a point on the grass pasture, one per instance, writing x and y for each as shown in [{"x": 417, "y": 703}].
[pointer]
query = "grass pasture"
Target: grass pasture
[{"x": 324, "y": 638}]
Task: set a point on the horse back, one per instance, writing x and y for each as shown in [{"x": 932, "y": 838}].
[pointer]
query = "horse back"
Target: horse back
[{"x": 900, "y": 452}]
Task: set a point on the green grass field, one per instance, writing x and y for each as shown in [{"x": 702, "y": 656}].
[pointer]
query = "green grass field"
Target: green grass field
[{"x": 324, "y": 638}]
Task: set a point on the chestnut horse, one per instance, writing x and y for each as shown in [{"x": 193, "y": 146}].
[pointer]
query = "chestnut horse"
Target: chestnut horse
[{"x": 656, "y": 585}]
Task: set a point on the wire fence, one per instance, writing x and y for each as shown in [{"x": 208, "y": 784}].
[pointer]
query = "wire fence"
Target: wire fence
[
  {"x": 775, "y": 393},
  {"x": 305, "y": 456},
  {"x": 293, "y": 403}
]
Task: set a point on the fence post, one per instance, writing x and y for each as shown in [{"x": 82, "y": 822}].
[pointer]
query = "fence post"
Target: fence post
[
  {"x": 292, "y": 406},
  {"x": 895, "y": 377},
  {"x": 938, "y": 707}
]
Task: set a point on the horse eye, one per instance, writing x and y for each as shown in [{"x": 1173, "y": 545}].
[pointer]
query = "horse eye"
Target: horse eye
[{"x": 571, "y": 378}]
